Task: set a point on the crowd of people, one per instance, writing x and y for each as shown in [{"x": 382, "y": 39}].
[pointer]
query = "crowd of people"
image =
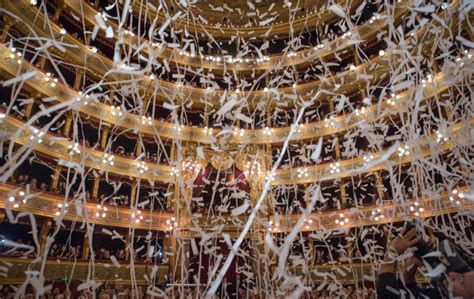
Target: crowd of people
[
  {"x": 65, "y": 251},
  {"x": 122, "y": 199},
  {"x": 24, "y": 179},
  {"x": 109, "y": 291},
  {"x": 105, "y": 254},
  {"x": 17, "y": 248}
]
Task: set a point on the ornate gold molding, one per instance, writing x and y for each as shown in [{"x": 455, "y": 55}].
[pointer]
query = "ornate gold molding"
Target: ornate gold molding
[
  {"x": 46, "y": 205},
  {"x": 60, "y": 147},
  {"x": 96, "y": 64},
  {"x": 313, "y": 130},
  {"x": 393, "y": 211}
]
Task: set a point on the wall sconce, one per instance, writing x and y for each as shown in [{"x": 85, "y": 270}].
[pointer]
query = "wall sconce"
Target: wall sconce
[
  {"x": 302, "y": 172},
  {"x": 108, "y": 159},
  {"x": 342, "y": 219}
]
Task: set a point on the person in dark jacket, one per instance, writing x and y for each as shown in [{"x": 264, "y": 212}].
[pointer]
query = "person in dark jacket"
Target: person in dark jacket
[{"x": 388, "y": 286}]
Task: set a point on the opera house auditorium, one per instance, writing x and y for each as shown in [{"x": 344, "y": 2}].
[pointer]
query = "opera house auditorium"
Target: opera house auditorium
[{"x": 236, "y": 149}]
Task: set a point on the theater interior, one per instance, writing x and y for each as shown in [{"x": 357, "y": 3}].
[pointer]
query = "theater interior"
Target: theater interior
[{"x": 234, "y": 149}]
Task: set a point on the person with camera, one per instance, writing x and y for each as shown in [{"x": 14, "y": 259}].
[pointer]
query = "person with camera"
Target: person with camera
[{"x": 460, "y": 285}]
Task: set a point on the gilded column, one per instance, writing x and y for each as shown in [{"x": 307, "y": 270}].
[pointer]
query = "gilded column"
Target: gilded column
[
  {"x": 59, "y": 10},
  {"x": 43, "y": 234},
  {"x": 133, "y": 193},
  {"x": 7, "y": 25},
  {"x": 78, "y": 79},
  {"x": 104, "y": 135},
  {"x": 55, "y": 180},
  {"x": 67, "y": 124},
  {"x": 95, "y": 188},
  {"x": 85, "y": 248}
]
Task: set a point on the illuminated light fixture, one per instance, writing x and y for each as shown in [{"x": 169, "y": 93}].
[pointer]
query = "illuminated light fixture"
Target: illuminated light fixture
[
  {"x": 348, "y": 34},
  {"x": 456, "y": 197},
  {"x": 377, "y": 214},
  {"x": 152, "y": 77},
  {"x": 335, "y": 167},
  {"x": 208, "y": 131},
  {"x": 291, "y": 55},
  {"x": 361, "y": 112},
  {"x": 440, "y": 137},
  {"x": 265, "y": 89},
  {"x": 403, "y": 150},
  {"x": 189, "y": 166},
  {"x": 267, "y": 131},
  {"x": 185, "y": 167},
  {"x": 172, "y": 223},
  {"x": 253, "y": 169},
  {"x": 116, "y": 110},
  {"x": 374, "y": 18},
  {"x": 270, "y": 176},
  {"x": 342, "y": 219},
  {"x": 444, "y": 6},
  {"x": 367, "y": 158},
  {"x": 318, "y": 47},
  {"x": 147, "y": 120},
  {"x": 62, "y": 31},
  {"x": 36, "y": 135},
  {"x": 235, "y": 60},
  {"x": 102, "y": 15},
  {"x": 129, "y": 33},
  {"x": 108, "y": 159},
  {"x": 302, "y": 172},
  {"x": 178, "y": 128},
  {"x": 51, "y": 80},
  {"x": 329, "y": 121},
  {"x": 142, "y": 167},
  {"x": 61, "y": 208},
  {"x": 468, "y": 54},
  {"x": 393, "y": 99},
  {"x": 307, "y": 223},
  {"x": 239, "y": 132},
  {"x": 83, "y": 98},
  {"x": 381, "y": 53},
  {"x": 2, "y": 116},
  {"x": 74, "y": 149},
  {"x": 174, "y": 171},
  {"x": 137, "y": 216},
  {"x": 263, "y": 59},
  {"x": 294, "y": 86},
  {"x": 273, "y": 226},
  {"x": 17, "y": 202},
  {"x": 415, "y": 209},
  {"x": 101, "y": 211},
  {"x": 179, "y": 84},
  {"x": 352, "y": 67},
  {"x": 428, "y": 80},
  {"x": 14, "y": 54},
  {"x": 300, "y": 128},
  {"x": 33, "y": 2}
]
